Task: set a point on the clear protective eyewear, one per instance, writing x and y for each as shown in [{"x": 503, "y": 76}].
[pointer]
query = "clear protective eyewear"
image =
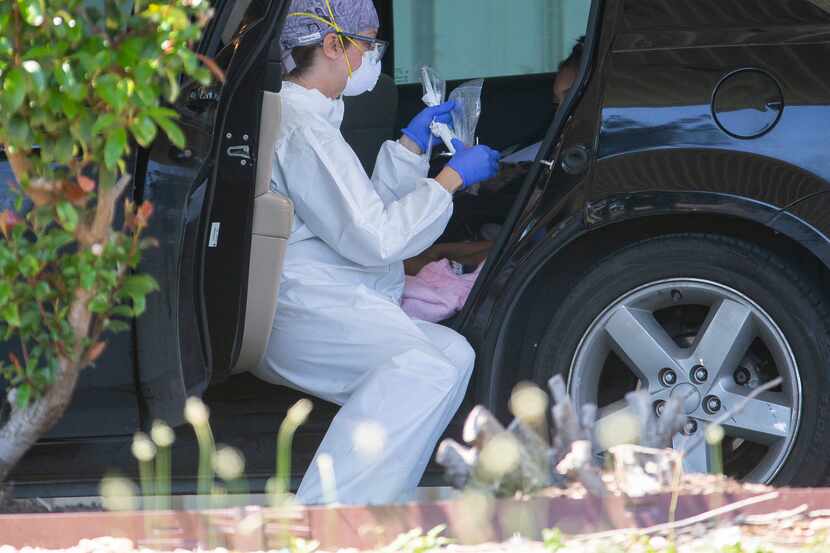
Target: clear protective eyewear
[{"x": 374, "y": 44}]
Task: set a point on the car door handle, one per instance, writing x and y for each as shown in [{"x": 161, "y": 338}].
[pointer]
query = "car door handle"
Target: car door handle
[{"x": 575, "y": 160}]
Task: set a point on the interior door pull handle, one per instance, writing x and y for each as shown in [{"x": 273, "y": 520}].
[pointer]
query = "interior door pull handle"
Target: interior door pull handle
[{"x": 240, "y": 151}]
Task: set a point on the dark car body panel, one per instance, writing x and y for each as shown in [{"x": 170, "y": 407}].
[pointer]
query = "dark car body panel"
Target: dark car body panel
[{"x": 657, "y": 149}]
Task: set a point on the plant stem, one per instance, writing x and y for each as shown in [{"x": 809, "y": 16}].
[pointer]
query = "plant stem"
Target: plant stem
[
  {"x": 163, "y": 488},
  {"x": 145, "y": 471},
  {"x": 204, "y": 437},
  {"x": 284, "y": 440},
  {"x": 716, "y": 454}
]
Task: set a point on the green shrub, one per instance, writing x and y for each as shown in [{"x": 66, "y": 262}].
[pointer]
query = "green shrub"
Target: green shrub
[{"x": 82, "y": 83}]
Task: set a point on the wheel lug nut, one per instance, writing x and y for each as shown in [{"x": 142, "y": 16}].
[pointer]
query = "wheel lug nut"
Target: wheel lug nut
[
  {"x": 712, "y": 404},
  {"x": 742, "y": 377},
  {"x": 668, "y": 377},
  {"x": 690, "y": 427},
  {"x": 700, "y": 374},
  {"x": 659, "y": 406}
]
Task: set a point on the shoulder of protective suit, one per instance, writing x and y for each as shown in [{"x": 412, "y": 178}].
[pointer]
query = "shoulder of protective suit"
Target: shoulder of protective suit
[{"x": 300, "y": 135}]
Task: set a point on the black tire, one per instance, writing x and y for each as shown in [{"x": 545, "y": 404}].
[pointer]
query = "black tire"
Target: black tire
[{"x": 794, "y": 301}]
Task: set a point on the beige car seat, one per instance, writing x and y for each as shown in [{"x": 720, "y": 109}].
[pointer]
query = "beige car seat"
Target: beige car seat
[{"x": 273, "y": 218}]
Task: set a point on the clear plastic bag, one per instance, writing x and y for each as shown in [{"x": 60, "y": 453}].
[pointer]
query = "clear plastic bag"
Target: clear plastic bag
[
  {"x": 465, "y": 116},
  {"x": 435, "y": 92},
  {"x": 435, "y": 88}
]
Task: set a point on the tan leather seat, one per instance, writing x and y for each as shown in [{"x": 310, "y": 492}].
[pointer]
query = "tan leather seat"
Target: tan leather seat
[{"x": 273, "y": 218}]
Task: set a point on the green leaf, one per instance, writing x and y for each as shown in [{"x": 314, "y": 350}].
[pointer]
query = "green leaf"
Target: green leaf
[
  {"x": 99, "y": 304},
  {"x": 70, "y": 107},
  {"x": 129, "y": 53},
  {"x": 172, "y": 130},
  {"x": 29, "y": 266},
  {"x": 22, "y": 395},
  {"x": 112, "y": 91},
  {"x": 19, "y": 132},
  {"x": 42, "y": 290},
  {"x": 139, "y": 305},
  {"x": 87, "y": 275},
  {"x": 172, "y": 86},
  {"x": 144, "y": 130},
  {"x": 115, "y": 326},
  {"x": 41, "y": 51},
  {"x": 5, "y": 47},
  {"x": 5, "y": 292},
  {"x": 67, "y": 216},
  {"x": 64, "y": 149},
  {"x": 14, "y": 89},
  {"x": 122, "y": 311},
  {"x": 31, "y": 318},
  {"x": 115, "y": 147},
  {"x": 33, "y": 11},
  {"x": 82, "y": 128},
  {"x": 104, "y": 122},
  {"x": 139, "y": 285},
  {"x": 11, "y": 314}
]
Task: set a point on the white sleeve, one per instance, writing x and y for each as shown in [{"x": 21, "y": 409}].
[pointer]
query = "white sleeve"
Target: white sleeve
[
  {"x": 397, "y": 171},
  {"x": 336, "y": 200}
]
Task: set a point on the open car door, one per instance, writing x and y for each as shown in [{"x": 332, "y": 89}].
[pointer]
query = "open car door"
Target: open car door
[{"x": 222, "y": 231}]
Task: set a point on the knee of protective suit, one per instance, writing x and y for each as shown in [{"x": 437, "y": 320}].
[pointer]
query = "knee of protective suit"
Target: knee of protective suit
[{"x": 465, "y": 356}]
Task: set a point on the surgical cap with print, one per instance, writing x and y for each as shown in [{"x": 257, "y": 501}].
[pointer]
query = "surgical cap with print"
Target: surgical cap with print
[{"x": 351, "y": 16}]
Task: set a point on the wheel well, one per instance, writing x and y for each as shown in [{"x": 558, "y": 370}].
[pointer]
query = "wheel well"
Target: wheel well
[{"x": 527, "y": 323}]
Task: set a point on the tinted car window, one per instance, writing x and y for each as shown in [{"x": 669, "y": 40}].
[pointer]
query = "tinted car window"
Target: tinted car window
[
  {"x": 243, "y": 15},
  {"x": 484, "y": 38}
]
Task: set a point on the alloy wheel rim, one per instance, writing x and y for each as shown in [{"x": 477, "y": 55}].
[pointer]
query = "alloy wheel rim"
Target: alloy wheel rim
[{"x": 713, "y": 368}]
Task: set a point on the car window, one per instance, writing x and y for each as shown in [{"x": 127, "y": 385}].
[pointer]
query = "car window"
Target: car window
[
  {"x": 463, "y": 39},
  {"x": 242, "y": 16}
]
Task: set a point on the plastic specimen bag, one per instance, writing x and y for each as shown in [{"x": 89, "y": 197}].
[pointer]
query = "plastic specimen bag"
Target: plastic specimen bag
[
  {"x": 467, "y": 110},
  {"x": 435, "y": 92}
]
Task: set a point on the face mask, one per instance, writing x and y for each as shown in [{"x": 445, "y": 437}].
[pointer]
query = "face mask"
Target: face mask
[{"x": 366, "y": 77}]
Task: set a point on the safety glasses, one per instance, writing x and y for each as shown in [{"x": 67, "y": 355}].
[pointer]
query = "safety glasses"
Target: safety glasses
[{"x": 367, "y": 43}]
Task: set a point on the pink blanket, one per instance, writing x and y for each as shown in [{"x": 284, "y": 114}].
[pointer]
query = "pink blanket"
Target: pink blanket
[{"x": 437, "y": 293}]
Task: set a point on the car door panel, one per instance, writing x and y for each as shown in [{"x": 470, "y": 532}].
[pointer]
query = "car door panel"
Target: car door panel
[{"x": 204, "y": 211}]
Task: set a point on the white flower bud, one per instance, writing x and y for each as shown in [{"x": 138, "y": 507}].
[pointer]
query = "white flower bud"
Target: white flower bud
[
  {"x": 528, "y": 402},
  {"x": 714, "y": 434},
  {"x": 500, "y": 455},
  {"x": 162, "y": 434},
  {"x": 229, "y": 463},
  {"x": 97, "y": 250},
  {"x": 118, "y": 494},
  {"x": 196, "y": 412},
  {"x": 143, "y": 449},
  {"x": 298, "y": 413}
]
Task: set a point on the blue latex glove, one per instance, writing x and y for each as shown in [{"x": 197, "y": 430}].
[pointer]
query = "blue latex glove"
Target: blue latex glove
[
  {"x": 418, "y": 129},
  {"x": 475, "y": 164}
]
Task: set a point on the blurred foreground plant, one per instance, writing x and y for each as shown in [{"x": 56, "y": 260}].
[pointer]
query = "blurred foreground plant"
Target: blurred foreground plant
[{"x": 79, "y": 81}]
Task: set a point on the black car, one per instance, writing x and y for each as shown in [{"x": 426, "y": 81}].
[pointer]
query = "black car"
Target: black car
[{"x": 672, "y": 234}]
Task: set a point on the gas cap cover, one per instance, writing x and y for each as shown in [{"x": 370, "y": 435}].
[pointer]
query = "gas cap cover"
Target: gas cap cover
[{"x": 747, "y": 103}]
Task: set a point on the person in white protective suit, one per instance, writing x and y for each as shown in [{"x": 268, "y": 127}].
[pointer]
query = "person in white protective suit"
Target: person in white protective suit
[{"x": 339, "y": 333}]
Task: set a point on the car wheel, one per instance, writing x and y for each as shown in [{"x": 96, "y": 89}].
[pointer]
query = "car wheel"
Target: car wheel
[{"x": 712, "y": 318}]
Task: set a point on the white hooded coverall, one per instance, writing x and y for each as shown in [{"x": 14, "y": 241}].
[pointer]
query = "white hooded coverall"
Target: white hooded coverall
[{"x": 339, "y": 333}]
